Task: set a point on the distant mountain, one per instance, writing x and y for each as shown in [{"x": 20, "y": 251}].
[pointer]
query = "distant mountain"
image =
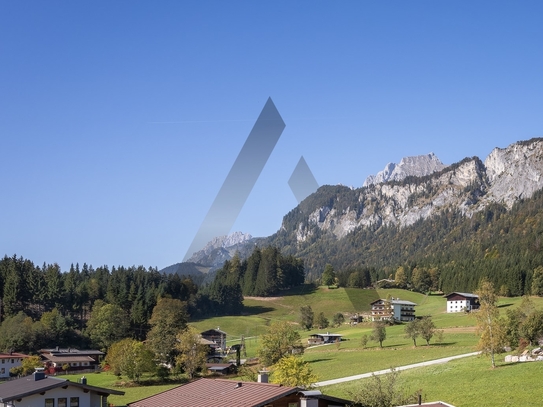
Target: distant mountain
[
  {"x": 387, "y": 224},
  {"x": 202, "y": 264},
  {"x": 421, "y": 213},
  {"x": 417, "y": 166}
]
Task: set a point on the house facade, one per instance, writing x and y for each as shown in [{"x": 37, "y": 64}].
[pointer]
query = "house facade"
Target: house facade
[
  {"x": 40, "y": 390},
  {"x": 55, "y": 359},
  {"x": 393, "y": 309},
  {"x": 319, "y": 339},
  {"x": 9, "y": 360},
  {"x": 217, "y": 337},
  {"x": 460, "y": 302}
]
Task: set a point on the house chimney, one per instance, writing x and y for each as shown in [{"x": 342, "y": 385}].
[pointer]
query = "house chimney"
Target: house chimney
[
  {"x": 309, "y": 402},
  {"x": 263, "y": 376},
  {"x": 39, "y": 374}
]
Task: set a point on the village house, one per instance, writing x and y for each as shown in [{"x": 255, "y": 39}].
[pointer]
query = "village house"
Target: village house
[
  {"x": 40, "y": 390},
  {"x": 393, "y": 309},
  {"x": 216, "y": 338},
  {"x": 206, "y": 392},
  {"x": 319, "y": 339},
  {"x": 8, "y": 361},
  {"x": 55, "y": 359},
  {"x": 462, "y": 302}
]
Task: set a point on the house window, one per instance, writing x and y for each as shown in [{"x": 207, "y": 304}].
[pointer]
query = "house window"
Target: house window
[
  {"x": 63, "y": 402},
  {"x": 49, "y": 402},
  {"x": 74, "y": 401},
  {"x": 12, "y": 360},
  {"x": 3, "y": 361},
  {"x": 3, "y": 371}
]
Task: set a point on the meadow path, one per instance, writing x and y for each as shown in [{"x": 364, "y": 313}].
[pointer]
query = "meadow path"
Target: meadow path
[{"x": 380, "y": 372}]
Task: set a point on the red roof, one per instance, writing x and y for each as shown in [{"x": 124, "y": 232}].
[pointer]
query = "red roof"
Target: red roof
[
  {"x": 218, "y": 392},
  {"x": 12, "y": 355}
]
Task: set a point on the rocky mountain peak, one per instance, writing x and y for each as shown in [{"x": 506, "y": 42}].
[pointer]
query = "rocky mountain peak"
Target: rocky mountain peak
[
  {"x": 417, "y": 166},
  {"x": 219, "y": 248}
]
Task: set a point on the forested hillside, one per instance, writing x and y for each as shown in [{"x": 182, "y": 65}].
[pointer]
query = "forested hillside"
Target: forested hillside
[{"x": 503, "y": 245}]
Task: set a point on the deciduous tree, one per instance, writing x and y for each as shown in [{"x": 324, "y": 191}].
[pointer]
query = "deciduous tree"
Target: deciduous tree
[
  {"x": 192, "y": 353},
  {"x": 379, "y": 332},
  {"x": 131, "y": 358},
  {"x": 306, "y": 317},
  {"x": 328, "y": 275},
  {"x": 279, "y": 340},
  {"x": 338, "y": 319},
  {"x": 321, "y": 321},
  {"x": 292, "y": 371},
  {"x": 382, "y": 391},
  {"x": 108, "y": 324},
  {"x": 427, "y": 329},
  {"x": 489, "y": 325},
  {"x": 412, "y": 330},
  {"x": 168, "y": 319}
]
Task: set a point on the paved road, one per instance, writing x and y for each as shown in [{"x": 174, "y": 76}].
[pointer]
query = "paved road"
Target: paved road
[{"x": 380, "y": 372}]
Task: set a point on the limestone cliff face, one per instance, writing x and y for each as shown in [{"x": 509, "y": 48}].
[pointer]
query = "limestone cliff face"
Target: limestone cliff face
[
  {"x": 469, "y": 186},
  {"x": 417, "y": 166},
  {"x": 515, "y": 172}
]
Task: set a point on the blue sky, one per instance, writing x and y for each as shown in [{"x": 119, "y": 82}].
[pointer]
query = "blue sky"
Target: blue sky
[{"x": 119, "y": 121}]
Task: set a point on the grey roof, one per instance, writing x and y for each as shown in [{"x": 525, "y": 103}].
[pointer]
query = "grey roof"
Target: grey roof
[
  {"x": 467, "y": 295},
  {"x": 27, "y": 386},
  {"x": 402, "y": 302},
  {"x": 71, "y": 351},
  {"x": 327, "y": 335}
]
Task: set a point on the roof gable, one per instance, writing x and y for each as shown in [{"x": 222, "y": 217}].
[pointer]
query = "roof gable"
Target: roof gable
[
  {"x": 465, "y": 295},
  {"x": 27, "y": 386}
]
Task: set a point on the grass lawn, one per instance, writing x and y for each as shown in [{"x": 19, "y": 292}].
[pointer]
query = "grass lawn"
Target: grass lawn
[
  {"x": 468, "y": 382},
  {"x": 110, "y": 381}
]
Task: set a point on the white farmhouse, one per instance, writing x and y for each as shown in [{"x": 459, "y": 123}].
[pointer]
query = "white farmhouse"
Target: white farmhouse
[
  {"x": 459, "y": 302},
  {"x": 40, "y": 390},
  {"x": 9, "y": 360}
]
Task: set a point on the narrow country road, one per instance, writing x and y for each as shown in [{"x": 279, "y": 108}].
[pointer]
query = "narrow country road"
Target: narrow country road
[{"x": 380, "y": 372}]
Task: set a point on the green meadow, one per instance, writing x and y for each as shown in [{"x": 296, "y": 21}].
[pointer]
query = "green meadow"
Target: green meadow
[{"x": 464, "y": 382}]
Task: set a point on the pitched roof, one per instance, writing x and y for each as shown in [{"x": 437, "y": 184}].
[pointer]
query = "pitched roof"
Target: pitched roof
[
  {"x": 393, "y": 301},
  {"x": 68, "y": 358},
  {"x": 217, "y": 392},
  {"x": 467, "y": 295},
  {"x": 12, "y": 355},
  {"x": 71, "y": 351},
  {"x": 227, "y": 393},
  {"x": 27, "y": 386},
  {"x": 402, "y": 302}
]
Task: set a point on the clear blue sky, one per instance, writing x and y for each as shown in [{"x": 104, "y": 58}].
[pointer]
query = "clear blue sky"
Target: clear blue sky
[{"x": 119, "y": 121}]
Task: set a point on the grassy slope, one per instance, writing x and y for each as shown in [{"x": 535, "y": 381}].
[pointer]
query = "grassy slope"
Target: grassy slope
[
  {"x": 447, "y": 382},
  {"x": 468, "y": 383}
]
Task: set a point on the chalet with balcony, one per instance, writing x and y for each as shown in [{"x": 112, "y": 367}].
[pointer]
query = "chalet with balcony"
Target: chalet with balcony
[
  {"x": 216, "y": 338},
  {"x": 393, "y": 309}
]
